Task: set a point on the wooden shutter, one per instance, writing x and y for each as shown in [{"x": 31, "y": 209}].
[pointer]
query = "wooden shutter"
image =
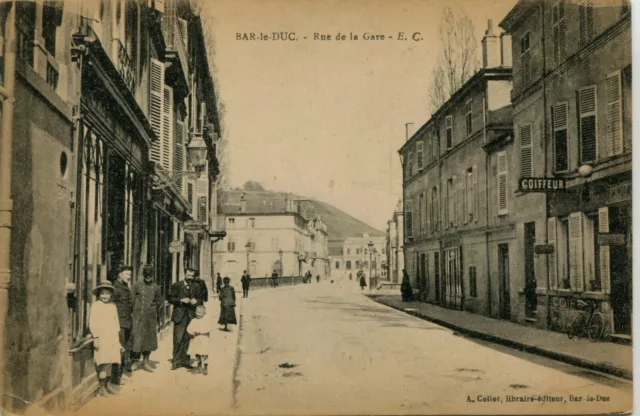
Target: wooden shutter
[
  {"x": 167, "y": 129},
  {"x": 587, "y": 28},
  {"x": 553, "y": 257},
  {"x": 408, "y": 219},
  {"x": 588, "y": 126},
  {"x": 560, "y": 141},
  {"x": 420, "y": 155},
  {"x": 182, "y": 26},
  {"x": 526, "y": 149},
  {"x": 437, "y": 215},
  {"x": 156, "y": 85},
  {"x": 502, "y": 183},
  {"x": 202, "y": 208},
  {"x": 576, "y": 268},
  {"x": 614, "y": 112},
  {"x": 455, "y": 205},
  {"x": 428, "y": 211},
  {"x": 178, "y": 157},
  {"x": 605, "y": 251},
  {"x": 463, "y": 196},
  {"x": 476, "y": 194}
]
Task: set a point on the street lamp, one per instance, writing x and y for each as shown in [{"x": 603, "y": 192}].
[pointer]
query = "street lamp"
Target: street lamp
[
  {"x": 248, "y": 247},
  {"x": 197, "y": 155},
  {"x": 585, "y": 172},
  {"x": 370, "y": 245}
]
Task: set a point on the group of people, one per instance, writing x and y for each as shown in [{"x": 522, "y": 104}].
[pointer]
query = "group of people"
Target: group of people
[
  {"x": 124, "y": 319},
  {"x": 308, "y": 277}
]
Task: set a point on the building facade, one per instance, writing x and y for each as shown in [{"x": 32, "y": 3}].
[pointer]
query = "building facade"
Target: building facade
[
  {"x": 364, "y": 253},
  {"x": 572, "y": 121},
  {"x": 100, "y": 134},
  {"x": 395, "y": 245}
]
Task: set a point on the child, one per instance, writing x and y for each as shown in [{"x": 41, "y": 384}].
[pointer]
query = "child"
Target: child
[
  {"x": 105, "y": 328},
  {"x": 199, "y": 346},
  {"x": 227, "y": 305}
]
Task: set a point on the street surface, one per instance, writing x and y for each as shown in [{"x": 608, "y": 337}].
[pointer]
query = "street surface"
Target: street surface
[{"x": 343, "y": 353}]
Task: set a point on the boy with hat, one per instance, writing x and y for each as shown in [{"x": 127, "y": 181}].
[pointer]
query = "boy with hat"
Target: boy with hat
[{"x": 105, "y": 329}]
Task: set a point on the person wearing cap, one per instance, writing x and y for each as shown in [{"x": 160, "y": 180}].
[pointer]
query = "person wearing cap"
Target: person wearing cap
[
  {"x": 124, "y": 305},
  {"x": 104, "y": 326},
  {"x": 147, "y": 302}
]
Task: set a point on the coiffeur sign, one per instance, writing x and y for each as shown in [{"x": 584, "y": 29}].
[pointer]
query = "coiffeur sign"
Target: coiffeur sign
[{"x": 543, "y": 185}]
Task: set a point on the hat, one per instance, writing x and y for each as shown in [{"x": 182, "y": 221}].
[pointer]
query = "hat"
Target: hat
[
  {"x": 103, "y": 285},
  {"x": 226, "y": 279}
]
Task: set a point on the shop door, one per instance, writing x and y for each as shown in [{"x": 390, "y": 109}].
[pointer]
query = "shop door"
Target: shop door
[
  {"x": 503, "y": 277},
  {"x": 531, "y": 300},
  {"x": 621, "y": 289},
  {"x": 436, "y": 275}
]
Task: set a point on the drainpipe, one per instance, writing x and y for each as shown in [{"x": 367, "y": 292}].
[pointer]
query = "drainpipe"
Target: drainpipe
[
  {"x": 544, "y": 147},
  {"x": 486, "y": 190},
  {"x": 6, "y": 203}
]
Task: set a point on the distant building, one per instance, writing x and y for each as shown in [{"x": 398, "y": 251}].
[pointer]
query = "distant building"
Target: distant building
[
  {"x": 395, "y": 245},
  {"x": 367, "y": 253}
]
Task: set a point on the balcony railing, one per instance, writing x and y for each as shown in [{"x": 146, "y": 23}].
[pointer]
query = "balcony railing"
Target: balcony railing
[
  {"x": 175, "y": 43},
  {"x": 125, "y": 66}
]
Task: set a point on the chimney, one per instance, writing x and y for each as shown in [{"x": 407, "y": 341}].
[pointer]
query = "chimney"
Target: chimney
[
  {"x": 505, "y": 45},
  {"x": 490, "y": 48}
]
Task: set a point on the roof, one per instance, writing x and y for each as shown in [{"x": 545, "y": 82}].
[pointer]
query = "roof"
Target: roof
[
  {"x": 502, "y": 117},
  {"x": 517, "y": 13}
]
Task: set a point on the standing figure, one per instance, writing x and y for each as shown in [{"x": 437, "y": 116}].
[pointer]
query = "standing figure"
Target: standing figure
[
  {"x": 147, "y": 303},
  {"x": 124, "y": 305},
  {"x": 218, "y": 283},
  {"x": 246, "y": 280},
  {"x": 199, "y": 329},
  {"x": 105, "y": 329},
  {"x": 227, "y": 305},
  {"x": 363, "y": 281},
  {"x": 182, "y": 297},
  {"x": 350, "y": 276},
  {"x": 405, "y": 287},
  {"x": 274, "y": 278},
  {"x": 318, "y": 278}
]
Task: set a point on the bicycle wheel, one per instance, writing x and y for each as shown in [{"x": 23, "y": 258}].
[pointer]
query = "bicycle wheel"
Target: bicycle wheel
[
  {"x": 595, "y": 329},
  {"x": 576, "y": 326}
]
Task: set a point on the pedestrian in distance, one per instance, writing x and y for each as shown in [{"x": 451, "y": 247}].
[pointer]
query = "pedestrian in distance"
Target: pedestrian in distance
[
  {"x": 350, "y": 276},
  {"x": 104, "y": 326},
  {"x": 246, "y": 281},
  {"x": 274, "y": 278},
  {"x": 183, "y": 296},
  {"x": 317, "y": 278},
  {"x": 147, "y": 303},
  {"x": 363, "y": 281},
  {"x": 227, "y": 305},
  {"x": 123, "y": 301},
  {"x": 218, "y": 283},
  {"x": 199, "y": 329},
  {"x": 405, "y": 287}
]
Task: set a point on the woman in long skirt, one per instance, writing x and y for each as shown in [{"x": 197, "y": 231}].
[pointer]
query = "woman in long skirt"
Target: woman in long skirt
[{"x": 227, "y": 305}]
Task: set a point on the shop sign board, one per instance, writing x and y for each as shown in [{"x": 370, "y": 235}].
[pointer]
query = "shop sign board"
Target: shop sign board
[
  {"x": 609, "y": 239},
  {"x": 176, "y": 247},
  {"x": 543, "y": 185}
]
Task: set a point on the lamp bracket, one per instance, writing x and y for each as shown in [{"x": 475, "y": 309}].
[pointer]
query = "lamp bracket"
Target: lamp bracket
[{"x": 172, "y": 177}]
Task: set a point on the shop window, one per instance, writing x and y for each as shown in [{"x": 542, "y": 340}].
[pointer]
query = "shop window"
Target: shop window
[{"x": 473, "y": 285}]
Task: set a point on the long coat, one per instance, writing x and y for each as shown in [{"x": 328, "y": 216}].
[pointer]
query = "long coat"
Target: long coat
[
  {"x": 191, "y": 289},
  {"x": 147, "y": 301},
  {"x": 104, "y": 325},
  {"x": 124, "y": 303}
]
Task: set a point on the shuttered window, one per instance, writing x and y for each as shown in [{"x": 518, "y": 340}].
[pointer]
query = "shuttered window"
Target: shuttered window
[
  {"x": 450, "y": 203},
  {"x": 182, "y": 26},
  {"x": 614, "y": 115},
  {"x": 408, "y": 218},
  {"x": 429, "y": 149},
  {"x": 576, "y": 268},
  {"x": 190, "y": 194},
  {"x": 559, "y": 32},
  {"x": 468, "y": 118},
  {"x": 429, "y": 211},
  {"x": 456, "y": 207},
  {"x": 167, "y": 129},
  {"x": 587, "y": 27},
  {"x": 525, "y": 60},
  {"x": 552, "y": 258},
  {"x": 449, "y": 131},
  {"x": 526, "y": 152},
  {"x": 420, "y": 155},
  {"x": 588, "y": 133},
  {"x": 156, "y": 107},
  {"x": 502, "y": 183},
  {"x": 464, "y": 197},
  {"x": 410, "y": 164},
  {"x": 202, "y": 209},
  {"x": 178, "y": 156},
  {"x": 560, "y": 140},
  {"x": 605, "y": 251}
]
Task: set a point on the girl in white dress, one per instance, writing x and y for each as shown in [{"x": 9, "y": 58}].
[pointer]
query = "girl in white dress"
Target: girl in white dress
[{"x": 199, "y": 328}]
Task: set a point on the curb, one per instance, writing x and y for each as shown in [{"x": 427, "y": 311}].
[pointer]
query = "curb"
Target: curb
[{"x": 558, "y": 356}]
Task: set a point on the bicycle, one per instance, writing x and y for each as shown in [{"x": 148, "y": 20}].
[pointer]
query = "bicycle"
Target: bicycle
[{"x": 592, "y": 325}]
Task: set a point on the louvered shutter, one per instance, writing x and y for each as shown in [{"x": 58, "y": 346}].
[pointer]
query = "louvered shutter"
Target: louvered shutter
[
  {"x": 502, "y": 183},
  {"x": 588, "y": 141},
  {"x": 526, "y": 149},
  {"x": 605, "y": 251},
  {"x": 190, "y": 194},
  {"x": 428, "y": 211},
  {"x": 178, "y": 157},
  {"x": 553, "y": 257},
  {"x": 408, "y": 219},
  {"x": 203, "y": 116},
  {"x": 476, "y": 194},
  {"x": 420, "y": 155},
  {"x": 167, "y": 130},
  {"x": 576, "y": 268},
  {"x": 202, "y": 208},
  {"x": 463, "y": 196},
  {"x": 614, "y": 111},
  {"x": 560, "y": 142},
  {"x": 456, "y": 205},
  {"x": 437, "y": 215},
  {"x": 182, "y": 26},
  {"x": 587, "y": 28},
  {"x": 155, "y": 108}
]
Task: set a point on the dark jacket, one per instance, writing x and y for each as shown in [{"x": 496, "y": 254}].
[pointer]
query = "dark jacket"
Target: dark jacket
[
  {"x": 202, "y": 294},
  {"x": 219, "y": 282},
  {"x": 147, "y": 304},
  {"x": 245, "y": 279},
  {"x": 186, "y": 289},
  {"x": 227, "y": 296},
  {"x": 124, "y": 303}
]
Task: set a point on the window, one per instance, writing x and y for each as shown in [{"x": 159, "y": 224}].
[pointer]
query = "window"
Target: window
[
  {"x": 470, "y": 190},
  {"x": 448, "y": 123},
  {"x": 433, "y": 210},
  {"x": 202, "y": 209},
  {"x": 614, "y": 118},
  {"x": 429, "y": 148},
  {"x": 421, "y": 215},
  {"x": 420, "y": 155},
  {"x": 358, "y": 264},
  {"x": 560, "y": 140},
  {"x": 559, "y": 32},
  {"x": 502, "y": 184},
  {"x": 190, "y": 193},
  {"x": 468, "y": 118},
  {"x": 576, "y": 266},
  {"x": 525, "y": 59},
  {"x": 251, "y": 222},
  {"x": 348, "y": 252},
  {"x": 473, "y": 285},
  {"x": 588, "y": 132},
  {"x": 348, "y": 267},
  {"x": 409, "y": 164},
  {"x": 50, "y": 22},
  {"x": 526, "y": 149},
  {"x": 408, "y": 219},
  {"x": 365, "y": 251},
  {"x": 357, "y": 251},
  {"x": 450, "y": 221},
  {"x": 337, "y": 265},
  {"x": 231, "y": 246},
  {"x": 435, "y": 145},
  {"x": 587, "y": 28},
  {"x": 232, "y": 222},
  {"x": 25, "y": 30},
  {"x": 591, "y": 253}
]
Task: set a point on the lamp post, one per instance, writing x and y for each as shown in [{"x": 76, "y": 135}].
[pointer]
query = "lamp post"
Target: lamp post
[
  {"x": 585, "y": 172},
  {"x": 280, "y": 252},
  {"x": 197, "y": 155},
  {"x": 370, "y": 245},
  {"x": 248, "y": 247}
]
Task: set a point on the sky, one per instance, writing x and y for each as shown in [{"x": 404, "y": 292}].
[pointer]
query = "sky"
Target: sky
[{"x": 325, "y": 118}]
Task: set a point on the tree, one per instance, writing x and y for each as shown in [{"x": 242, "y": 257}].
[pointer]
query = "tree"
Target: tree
[
  {"x": 253, "y": 186},
  {"x": 457, "y": 60}
]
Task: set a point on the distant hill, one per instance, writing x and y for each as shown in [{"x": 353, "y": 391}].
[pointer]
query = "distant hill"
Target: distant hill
[{"x": 340, "y": 225}]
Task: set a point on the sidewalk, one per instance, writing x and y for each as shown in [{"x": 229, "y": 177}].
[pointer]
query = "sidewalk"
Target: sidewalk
[
  {"x": 604, "y": 357},
  {"x": 178, "y": 392}
]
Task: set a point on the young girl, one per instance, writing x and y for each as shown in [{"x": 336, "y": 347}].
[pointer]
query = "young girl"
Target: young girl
[
  {"x": 199, "y": 346},
  {"x": 105, "y": 329},
  {"x": 227, "y": 305}
]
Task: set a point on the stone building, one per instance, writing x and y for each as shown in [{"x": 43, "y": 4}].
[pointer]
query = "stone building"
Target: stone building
[
  {"x": 395, "y": 245},
  {"x": 572, "y": 121}
]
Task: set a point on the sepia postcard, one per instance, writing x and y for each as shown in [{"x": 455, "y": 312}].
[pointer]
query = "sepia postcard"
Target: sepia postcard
[{"x": 316, "y": 207}]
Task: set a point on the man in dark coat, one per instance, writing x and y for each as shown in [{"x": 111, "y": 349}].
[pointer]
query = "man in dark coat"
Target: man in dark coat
[
  {"x": 124, "y": 305},
  {"x": 218, "y": 283},
  {"x": 246, "y": 280},
  {"x": 184, "y": 296},
  {"x": 147, "y": 303},
  {"x": 274, "y": 278},
  {"x": 202, "y": 293}
]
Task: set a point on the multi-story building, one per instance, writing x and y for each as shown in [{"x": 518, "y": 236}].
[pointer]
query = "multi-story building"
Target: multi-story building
[
  {"x": 395, "y": 245},
  {"x": 269, "y": 231},
  {"x": 366, "y": 252},
  {"x": 96, "y": 166},
  {"x": 455, "y": 196},
  {"x": 572, "y": 120}
]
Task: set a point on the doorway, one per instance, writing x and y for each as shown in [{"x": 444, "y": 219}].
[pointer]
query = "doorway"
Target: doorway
[
  {"x": 436, "y": 275},
  {"x": 621, "y": 288},
  {"x": 531, "y": 300},
  {"x": 503, "y": 277}
]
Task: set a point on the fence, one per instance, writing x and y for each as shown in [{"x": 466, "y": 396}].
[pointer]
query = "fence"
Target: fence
[{"x": 265, "y": 282}]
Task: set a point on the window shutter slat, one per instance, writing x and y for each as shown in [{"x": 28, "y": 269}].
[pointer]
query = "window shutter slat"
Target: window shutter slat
[
  {"x": 614, "y": 111},
  {"x": 502, "y": 183},
  {"x": 156, "y": 85},
  {"x": 588, "y": 133},
  {"x": 526, "y": 157},
  {"x": 178, "y": 159},
  {"x": 551, "y": 239},
  {"x": 476, "y": 194},
  {"x": 463, "y": 196},
  {"x": 576, "y": 268},
  {"x": 456, "y": 206},
  {"x": 605, "y": 269},
  {"x": 167, "y": 130}
]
